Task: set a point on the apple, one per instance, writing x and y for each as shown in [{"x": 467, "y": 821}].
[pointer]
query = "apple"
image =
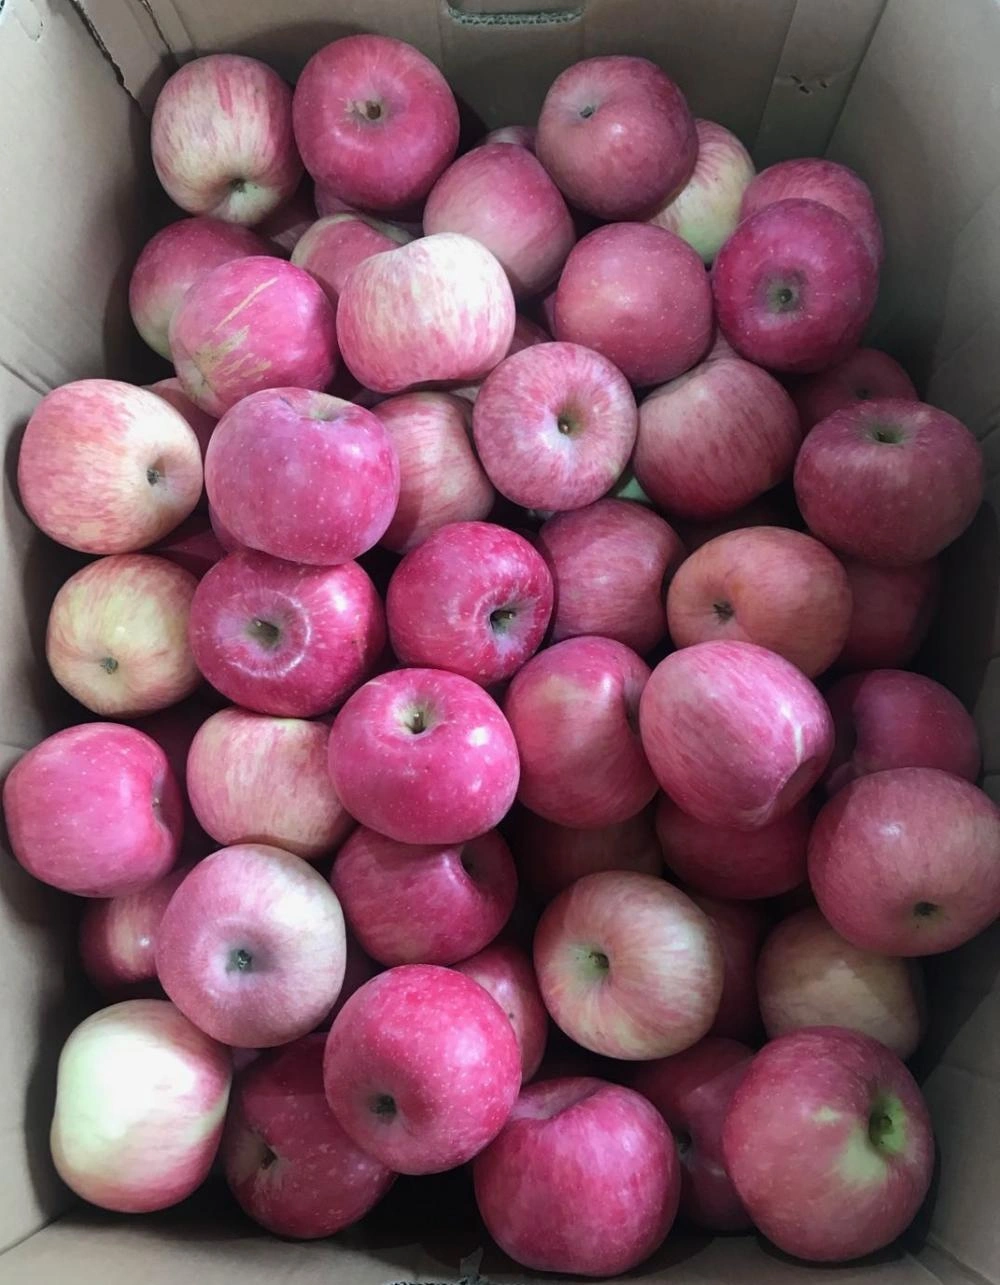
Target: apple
[
  {"x": 891, "y": 482},
  {"x": 893, "y": 609},
  {"x": 523, "y": 135},
  {"x": 221, "y": 138},
  {"x": 287, "y": 1161},
  {"x": 285, "y": 639},
  {"x": 506, "y": 973},
  {"x": 105, "y": 467},
  {"x": 171, "y": 391},
  {"x": 794, "y": 287},
  {"x": 140, "y": 1101},
  {"x": 334, "y": 246},
  {"x": 829, "y": 1144},
  {"x": 94, "y": 810},
  {"x": 740, "y": 927},
  {"x": 253, "y": 778},
  {"x": 610, "y": 563},
  {"x": 617, "y": 136},
  {"x": 772, "y": 509},
  {"x": 767, "y": 585},
  {"x": 193, "y": 545},
  {"x": 288, "y": 224},
  {"x": 638, "y": 295},
  {"x": 552, "y": 1212},
  {"x": 907, "y": 861},
  {"x": 422, "y": 1068},
  {"x": 888, "y": 718},
  {"x": 358, "y": 969},
  {"x": 440, "y": 478},
  {"x": 439, "y": 310},
  {"x": 573, "y": 710},
  {"x": 117, "y": 635},
  {"x": 222, "y": 533},
  {"x": 501, "y": 196},
  {"x": 303, "y": 476},
  {"x": 173, "y": 729},
  {"x": 172, "y": 261},
  {"x": 808, "y": 975},
  {"x": 375, "y": 121},
  {"x": 628, "y": 965},
  {"x": 735, "y": 734},
  {"x": 550, "y": 857},
  {"x": 864, "y": 375},
  {"x": 692, "y": 1091},
  {"x": 250, "y": 324},
  {"x": 813, "y": 178},
  {"x": 474, "y": 598},
  {"x": 715, "y": 439},
  {"x": 526, "y": 334},
  {"x": 741, "y": 864},
  {"x": 424, "y": 756},
  {"x": 251, "y": 946},
  {"x": 707, "y": 209},
  {"x": 117, "y": 938}
]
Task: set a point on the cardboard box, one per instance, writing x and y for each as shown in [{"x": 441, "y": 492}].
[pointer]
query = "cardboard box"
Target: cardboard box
[{"x": 904, "y": 90}]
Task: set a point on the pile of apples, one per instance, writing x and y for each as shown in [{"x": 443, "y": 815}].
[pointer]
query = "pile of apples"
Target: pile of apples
[{"x": 527, "y": 539}]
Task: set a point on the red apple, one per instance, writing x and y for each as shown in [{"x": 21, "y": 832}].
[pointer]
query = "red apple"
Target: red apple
[
  {"x": 893, "y": 609},
  {"x": 639, "y": 296},
  {"x": 554, "y": 426},
  {"x": 424, "y": 905},
  {"x": 692, "y": 1091},
  {"x": 617, "y": 136},
  {"x": 629, "y": 966},
  {"x": 251, "y": 324},
  {"x": 735, "y": 734},
  {"x": 808, "y": 975},
  {"x": 610, "y": 563},
  {"x": 891, "y": 482},
  {"x": 422, "y": 1068},
  {"x": 286, "y": 226},
  {"x": 780, "y": 589},
  {"x": 193, "y": 545},
  {"x": 907, "y": 861},
  {"x": 522, "y": 135},
  {"x": 171, "y": 391},
  {"x": 812, "y": 178},
  {"x": 573, "y": 711},
  {"x": 829, "y": 1144},
  {"x": 424, "y": 756},
  {"x": 105, "y": 467},
  {"x": 287, "y": 1161},
  {"x": 118, "y": 938},
  {"x": 865, "y": 375},
  {"x": 334, "y": 246},
  {"x": 794, "y": 287},
  {"x": 506, "y": 972},
  {"x": 375, "y": 121},
  {"x": 222, "y": 533},
  {"x": 222, "y": 141},
  {"x": 550, "y": 857},
  {"x": 767, "y": 510},
  {"x": 526, "y": 335},
  {"x": 173, "y": 729},
  {"x": 740, "y": 927},
  {"x": 285, "y": 639},
  {"x": 715, "y": 439},
  {"x": 251, "y": 946}
]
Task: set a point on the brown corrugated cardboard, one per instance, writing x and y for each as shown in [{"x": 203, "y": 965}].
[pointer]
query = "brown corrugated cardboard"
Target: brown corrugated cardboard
[{"x": 905, "y": 90}]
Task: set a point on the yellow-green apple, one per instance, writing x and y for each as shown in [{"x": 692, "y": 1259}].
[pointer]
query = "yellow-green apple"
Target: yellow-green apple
[
  {"x": 638, "y": 295},
  {"x": 550, "y": 857},
  {"x": 424, "y": 756},
  {"x": 735, "y": 734},
  {"x": 117, "y": 938},
  {"x": 251, "y": 946},
  {"x": 794, "y": 287},
  {"x": 892, "y": 611},
  {"x": 117, "y": 637},
  {"x": 610, "y": 563},
  {"x": 222, "y": 139},
  {"x": 421, "y": 1068},
  {"x": 474, "y": 598},
  {"x": 285, "y": 639},
  {"x": 829, "y": 1144},
  {"x": 617, "y": 136},
  {"x": 707, "y": 209},
  {"x": 628, "y": 965},
  {"x": 105, "y": 467},
  {"x": 94, "y": 810},
  {"x": 250, "y": 324},
  {"x": 523, "y": 135},
  {"x": 808, "y": 975},
  {"x": 289, "y": 1164},
  {"x": 140, "y": 1102},
  {"x": 907, "y": 861},
  {"x": 506, "y": 972},
  {"x": 554, "y": 426},
  {"x": 553, "y": 1206},
  {"x": 334, "y": 246},
  {"x": 864, "y": 375},
  {"x": 767, "y": 585},
  {"x": 573, "y": 709},
  {"x": 740, "y": 927},
  {"x": 692, "y": 1091},
  {"x": 439, "y": 310},
  {"x": 375, "y": 121},
  {"x": 891, "y": 482}
]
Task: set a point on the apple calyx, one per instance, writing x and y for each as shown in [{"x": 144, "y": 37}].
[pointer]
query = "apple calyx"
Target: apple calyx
[
  {"x": 926, "y": 910},
  {"x": 784, "y": 295},
  {"x": 384, "y": 1106},
  {"x": 240, "y": 961},
  {"x": 265, "y": 632},
  {"x": 886, "y": 434},
  {"x": 109, "y": 664},
  {"x": 724, "y": 611},
  {"x": 501, "y": 619}
]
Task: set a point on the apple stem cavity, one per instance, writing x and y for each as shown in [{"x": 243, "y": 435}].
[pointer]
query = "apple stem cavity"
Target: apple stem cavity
[
  {"x": 587, "y": 112},
  {"x": 885, "y": 1125},
  {"x": 240, "y": 961},
  {"x": 783, "y": 296},
  {"x": 109, "y": 664},
  {"x": 566, "y": 425},
  {"x": 723, "y": 610},
  {"x": 501, "y": 618},
  {"x": 886, "y": 434},
  {"x": 265, "y": 632},
  {"x": 925, "y": 909},
  {"x": 384, "y": 1106},
  {"x": 595, "y": 961}
]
